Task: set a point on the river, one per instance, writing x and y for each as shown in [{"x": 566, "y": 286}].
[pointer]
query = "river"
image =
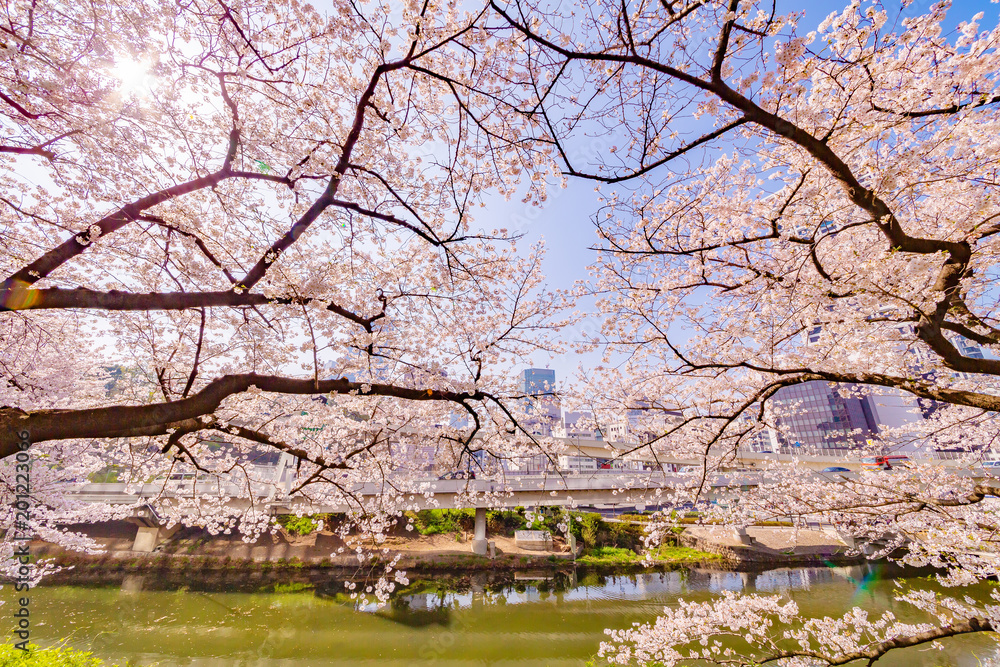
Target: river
[{"x": 300, "y": 619}]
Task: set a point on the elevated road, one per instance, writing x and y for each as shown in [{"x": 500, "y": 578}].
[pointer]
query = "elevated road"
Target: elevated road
[
  {"x": 601, "y": 449},
  {"x": 635, "y": 489},
  {"x": 640, "y": 490}
]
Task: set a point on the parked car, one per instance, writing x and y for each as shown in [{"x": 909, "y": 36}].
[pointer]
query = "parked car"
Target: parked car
[
  {"x": 459, "y": 474},
  {"x": 836, "y": 469}
]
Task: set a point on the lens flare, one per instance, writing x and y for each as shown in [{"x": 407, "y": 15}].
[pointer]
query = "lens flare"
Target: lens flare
[
  {"x": 18, "y": 296},
  {"x": 133, "y": 75}
]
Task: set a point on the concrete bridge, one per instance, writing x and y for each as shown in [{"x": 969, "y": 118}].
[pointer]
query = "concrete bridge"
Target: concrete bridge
[
  {"x": 629, "y": 489},
  {"x": 638, "y": 489}
]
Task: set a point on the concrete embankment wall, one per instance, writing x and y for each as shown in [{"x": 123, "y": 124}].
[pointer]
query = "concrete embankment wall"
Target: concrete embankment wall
[
  {"x": 776, "y": 546},
  {"x": 192, "y": 547}
]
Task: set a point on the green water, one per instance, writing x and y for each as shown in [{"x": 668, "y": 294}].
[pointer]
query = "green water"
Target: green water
[{"x": 156, "y": 619}]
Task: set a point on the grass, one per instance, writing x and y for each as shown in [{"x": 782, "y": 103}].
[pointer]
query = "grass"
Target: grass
[
  {"x": 608, "y": 556},
  {"x": 663, "y": 554},
  {"x": 668, "y": 554},
  {"x": 60, "y": 656}
]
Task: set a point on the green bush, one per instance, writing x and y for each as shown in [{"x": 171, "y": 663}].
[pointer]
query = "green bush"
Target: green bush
[
  {"x": 302, "y": 525},
  {"x": 595, "y": 532},
  {"x": 591, "y": 527},
  {"x": 505, "y": 522},
  {"x": 626, "y": 535},
  {"x": 60, "y": 656},
  {"x": 434, "y": 522}
]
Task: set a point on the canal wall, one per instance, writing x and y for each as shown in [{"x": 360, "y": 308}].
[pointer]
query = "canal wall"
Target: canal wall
[
  {"x": 771, "y": 546},
  {"x": 196, "y": 548},
  {"x": 193, "y": 547}
]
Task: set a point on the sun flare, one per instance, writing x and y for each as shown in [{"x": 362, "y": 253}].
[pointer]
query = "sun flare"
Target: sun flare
[{"x": 134, "y": 75}]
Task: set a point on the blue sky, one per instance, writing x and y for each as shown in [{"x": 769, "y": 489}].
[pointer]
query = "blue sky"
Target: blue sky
[{"x": 565, "y": 222}]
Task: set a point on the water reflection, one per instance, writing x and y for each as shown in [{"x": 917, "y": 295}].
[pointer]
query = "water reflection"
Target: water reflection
[
  {"x": 457, "y": 591},
  {"x": 428, "y": 600},
  {"x": 307, "y": 618},
  {"x": 652, "y": 584}
]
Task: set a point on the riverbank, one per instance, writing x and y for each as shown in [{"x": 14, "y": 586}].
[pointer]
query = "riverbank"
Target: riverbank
[
  {"x": 770, "y": 545},
  {"x": 195, "y": 549}
]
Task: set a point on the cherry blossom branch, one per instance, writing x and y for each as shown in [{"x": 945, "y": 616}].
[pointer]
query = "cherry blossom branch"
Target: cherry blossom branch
[
  {"x": 956, "y": 253},
  {"x": 197, "y": 241},
  {"x": 873, "y": 653},
  {"x": 983, "y": 100},
  {"x": 257, "y": 272},
  {"x": 197, "y": 355},
  {"x": 161, "y": 418},
  {"x": 22, "y": 150},
  {"x": 53, "y": 259},
  {"x": 680, "y": 635},
  {"x": 54, "y": 298}
]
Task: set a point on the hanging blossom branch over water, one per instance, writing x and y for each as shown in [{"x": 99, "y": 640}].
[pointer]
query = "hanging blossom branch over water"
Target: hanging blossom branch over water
[{"x": 759, "y": 630}]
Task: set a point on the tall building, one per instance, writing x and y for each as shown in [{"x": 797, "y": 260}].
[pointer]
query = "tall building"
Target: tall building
[
  {"x": 543, "y": 408},
  {"x": 968, "y": 348},
  {"x": 640, "y": 425},
  {"x": 538, "y": 381},
  {"x": 814, "y": 415},
  {"x": 922, "y": 362},
  {"x": 577, "y": 425},
  {"x": 832, "y": 418},
  {"x": 763, "y": 439}
]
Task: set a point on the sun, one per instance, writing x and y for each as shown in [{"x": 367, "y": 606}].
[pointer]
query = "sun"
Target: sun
[{"x": 134, "y": 75}]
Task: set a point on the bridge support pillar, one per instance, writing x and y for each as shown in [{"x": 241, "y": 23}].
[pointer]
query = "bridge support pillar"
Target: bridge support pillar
[
  {"x": 479, "y": 542},
  {"x": 147, "y": 537},
  {"x": 743, "y": 536}
]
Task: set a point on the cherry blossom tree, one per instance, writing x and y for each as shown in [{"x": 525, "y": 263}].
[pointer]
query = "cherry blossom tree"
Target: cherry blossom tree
[
  {"x": 231, "y": 229},
  {"x": 239, "y": 228},
  {"x": 782, "y": 208}
]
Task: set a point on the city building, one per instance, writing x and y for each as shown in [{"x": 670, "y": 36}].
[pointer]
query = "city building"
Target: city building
[
  {"x": 537, "y": 381},
  {"x": 640, "y": 425},
  {"x": 574, "y": 464},
  {"x": 760, "y": 439},
  {"x": 829, "y": 418},
  {"x": 577, "y": 425},
  {"x": 542, "y": 408},
  {"x": 578, "y": 464},
  {"x": 816, "y": 416},
  {"x": 968, "y": 348}
]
